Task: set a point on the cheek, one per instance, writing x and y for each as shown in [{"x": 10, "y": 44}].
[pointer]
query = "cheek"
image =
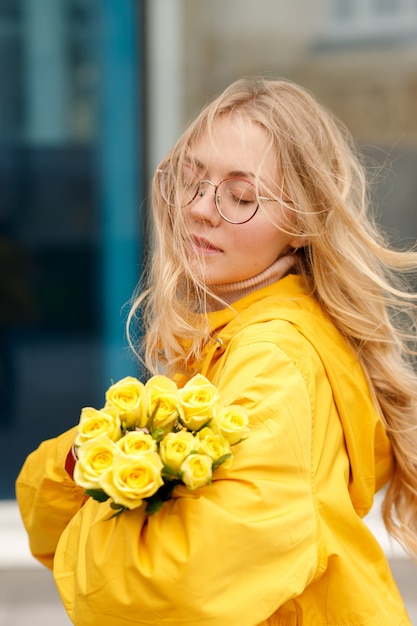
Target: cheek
[
  {"x": 246, "y": 240},
  {"x": 256, "y": 241}
]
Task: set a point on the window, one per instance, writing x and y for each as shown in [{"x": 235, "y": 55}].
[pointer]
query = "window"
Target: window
[{"x": 60, "y": 312}]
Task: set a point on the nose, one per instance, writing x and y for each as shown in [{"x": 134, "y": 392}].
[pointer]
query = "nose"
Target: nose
[{"x": 204, "y": 207}]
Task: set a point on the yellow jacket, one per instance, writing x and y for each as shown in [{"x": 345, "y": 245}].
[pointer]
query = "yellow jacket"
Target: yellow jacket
[{"x": 276, "y": 539}]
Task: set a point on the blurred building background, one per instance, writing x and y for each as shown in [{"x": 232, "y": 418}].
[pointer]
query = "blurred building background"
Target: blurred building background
[{"x": 93, "y": 93}]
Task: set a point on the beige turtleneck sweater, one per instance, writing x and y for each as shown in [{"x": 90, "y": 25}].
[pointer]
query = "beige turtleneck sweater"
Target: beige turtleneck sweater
[{"x": 231, "y": 292}]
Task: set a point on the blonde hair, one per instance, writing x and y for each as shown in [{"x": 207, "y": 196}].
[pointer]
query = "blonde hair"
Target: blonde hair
[{"x": 346, "y": 263}]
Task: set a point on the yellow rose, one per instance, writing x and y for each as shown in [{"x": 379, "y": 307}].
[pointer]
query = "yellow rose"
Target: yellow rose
[
  {"x": 163, "y": 402},
  {"x": 129, "y": 397},
  {"x": 232, "y": 422},
  {"x": 94, "y": 423},
  {"x": 136, "y": 442},
  {"x": 214, "y": 445},
  {"x": 95, "y": 457},
  {"x": 133, "y": 478},
  {"x": 196, "y": 471},
  {"x": 175, "y": 447},
  {"x": 198, "y": 398}
]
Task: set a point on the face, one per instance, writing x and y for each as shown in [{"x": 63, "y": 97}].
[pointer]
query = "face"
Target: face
[{"x": 229, "y": 253}]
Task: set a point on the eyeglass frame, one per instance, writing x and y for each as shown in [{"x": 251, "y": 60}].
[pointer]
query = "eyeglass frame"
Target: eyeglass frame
[{"x": 217, "y": 198}]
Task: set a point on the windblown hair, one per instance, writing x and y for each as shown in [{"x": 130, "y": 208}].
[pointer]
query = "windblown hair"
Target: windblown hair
[{"x": 345, "y": 261}]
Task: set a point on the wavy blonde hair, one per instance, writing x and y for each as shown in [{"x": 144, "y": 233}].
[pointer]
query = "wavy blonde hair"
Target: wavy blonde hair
[{"x": 354, "y": 274}]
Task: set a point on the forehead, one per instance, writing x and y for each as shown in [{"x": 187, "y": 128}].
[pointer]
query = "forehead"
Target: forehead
[{"x": 234, "y": 142}]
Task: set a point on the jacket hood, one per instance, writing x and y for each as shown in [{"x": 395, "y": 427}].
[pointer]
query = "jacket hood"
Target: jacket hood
[{"x": 367, "y": 443}]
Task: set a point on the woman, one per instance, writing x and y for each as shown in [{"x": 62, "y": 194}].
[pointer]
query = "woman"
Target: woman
[{"x": 268, "y": 277}]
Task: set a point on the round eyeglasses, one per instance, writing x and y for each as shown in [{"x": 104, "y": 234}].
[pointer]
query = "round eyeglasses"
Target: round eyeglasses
[{"x": 236, "y": 199}]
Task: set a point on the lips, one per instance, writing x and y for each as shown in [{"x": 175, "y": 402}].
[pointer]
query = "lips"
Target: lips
[{"x": 204, "y": 245}]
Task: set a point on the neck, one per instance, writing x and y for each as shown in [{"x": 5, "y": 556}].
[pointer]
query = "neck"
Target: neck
[{"x": 231, "y": 292}]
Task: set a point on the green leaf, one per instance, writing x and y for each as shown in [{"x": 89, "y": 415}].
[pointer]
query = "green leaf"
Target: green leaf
[
  {"x": 240, "y": 441},
  {"x": 117, "y": 513},
  {"x": 116, "y": 506},
  {"x": 152, "y": 416},
  {"x": 163, "y": 494},
  {"x": 97, "y": 494},
  {"x": 220, "y": 460},
  {"x": 169, "y": 472},
  {"x": 158, "y": 434},
  {"x": 153, "y": 506}
]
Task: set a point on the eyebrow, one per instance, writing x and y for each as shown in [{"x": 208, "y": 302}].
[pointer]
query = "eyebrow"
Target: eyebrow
[{"x": 232, "y": 174}]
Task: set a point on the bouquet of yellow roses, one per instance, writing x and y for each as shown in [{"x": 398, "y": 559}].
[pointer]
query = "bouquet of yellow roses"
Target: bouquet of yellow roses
[{"x": 149, "y": 438}]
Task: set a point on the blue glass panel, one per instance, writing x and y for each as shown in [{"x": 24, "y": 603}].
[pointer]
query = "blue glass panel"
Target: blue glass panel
[{"x": 71, "y": 191}]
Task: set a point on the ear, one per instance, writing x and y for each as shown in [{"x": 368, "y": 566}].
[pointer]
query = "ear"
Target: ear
[{"x": 298, "y": 242}]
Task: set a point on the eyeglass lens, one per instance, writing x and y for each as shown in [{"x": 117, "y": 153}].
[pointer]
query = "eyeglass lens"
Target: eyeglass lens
[{"x": 236, "y": 198}]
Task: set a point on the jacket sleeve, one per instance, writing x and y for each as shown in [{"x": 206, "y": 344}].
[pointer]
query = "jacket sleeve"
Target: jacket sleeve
[
  {"x": 47, "y": 496},
  {"x": 229, "y": 553}
]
